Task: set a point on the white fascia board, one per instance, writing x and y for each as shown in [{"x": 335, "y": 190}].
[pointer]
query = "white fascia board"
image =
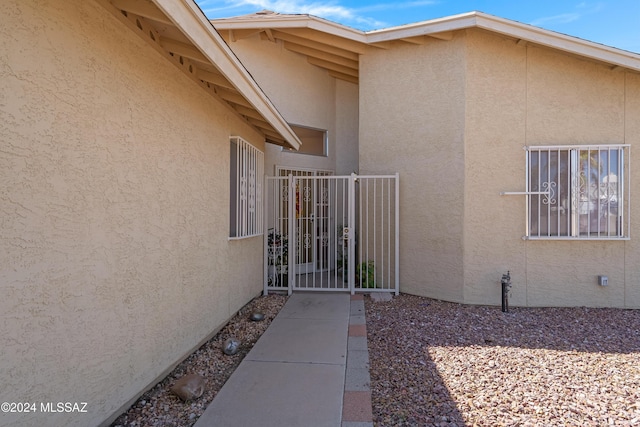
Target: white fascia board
[
  {"x": 188, "y": 17},
  {"x": 560, "y": 41},
  {"x": 463, "y": 21},
  {"x": 440, "y": 25},
  {"x": 291, "y": 21},
  {"x": 513, "y": 29},
  {"x": 337, "y": 30},
  {"x": 270, "y": 22}
]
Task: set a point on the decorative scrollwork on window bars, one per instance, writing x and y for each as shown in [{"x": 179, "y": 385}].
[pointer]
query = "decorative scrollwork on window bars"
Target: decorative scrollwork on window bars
[
  {"x": 247, "y": 168},
  {"x": 243, "y": 189},
  {"x": 549, "y": 199},
  {"x": 306, "y": 193},
  {"x": 325, "y": 195},
  {"x": 252, "y": 191},
  {"x": 306, "y": 240}
]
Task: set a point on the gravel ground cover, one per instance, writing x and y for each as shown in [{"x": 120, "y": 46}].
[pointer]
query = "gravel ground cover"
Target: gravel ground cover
[
  {"x": 442, "y": 364},
  {"x": 158, "y": 407}
]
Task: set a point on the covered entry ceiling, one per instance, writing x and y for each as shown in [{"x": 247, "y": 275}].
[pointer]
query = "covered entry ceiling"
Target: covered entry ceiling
[{"x": 327, "y": 45}]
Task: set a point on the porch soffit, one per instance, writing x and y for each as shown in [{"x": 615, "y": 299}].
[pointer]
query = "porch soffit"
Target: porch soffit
[
  {"x": 327, "y": 44},
  {"x": 180, "y": 32},
  {"x": 337, "y": 55}
]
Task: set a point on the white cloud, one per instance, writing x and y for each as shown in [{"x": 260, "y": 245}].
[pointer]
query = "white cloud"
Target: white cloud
[
  {"x": 388, "y": 6},
  {"x": 324, "y": 9},
  {"x": 563, "y": 18},
  {"x": 331, "y": 10}
]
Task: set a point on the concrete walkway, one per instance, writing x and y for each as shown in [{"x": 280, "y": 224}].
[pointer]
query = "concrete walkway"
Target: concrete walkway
[{"x": 310, "y": 368}]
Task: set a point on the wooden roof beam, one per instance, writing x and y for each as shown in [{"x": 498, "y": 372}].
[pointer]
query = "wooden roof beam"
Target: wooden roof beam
[
  {"x": 235, "y": 35},
  {"x": 332, "y": 50},
  {"x": 333, "y": 67},
  {"x": 328, "y": 39},
  {"x": 344, "y": 77},
  {"x": 144, "y": 8},
  {"x": 304, "y": 50},
  {"x": 214, "y": 78},
  {"x": 444, "y": 35},
  {"x": 182, "y": 49},
  {"x": 415, "y": 40},
  {"x": 269, "y": 34},
  {"x": 259, "y": 123},
  {"x": 233, "y": 96},
  {"x": 272, "y": 136}
]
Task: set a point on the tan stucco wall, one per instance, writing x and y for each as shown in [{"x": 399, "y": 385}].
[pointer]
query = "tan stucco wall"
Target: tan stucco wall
[
  {"x": 114, "y": 257},
  {"x": 347, "y": 112},
  {"x": 412, "y": 122},
  {"x": 305, "y": 95},
  {"x": 632, "y": 136},
  {"x": 494, "y": 157},
  {"x": 453, "y": 118},
  {"x": 529, "y": 95}
]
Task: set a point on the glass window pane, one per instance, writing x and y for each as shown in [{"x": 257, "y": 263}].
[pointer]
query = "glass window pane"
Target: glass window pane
[
  {"x": 577, "y": 192},
  {"x": 598, "y": 192},
  {"x": 549, "y": 172}
]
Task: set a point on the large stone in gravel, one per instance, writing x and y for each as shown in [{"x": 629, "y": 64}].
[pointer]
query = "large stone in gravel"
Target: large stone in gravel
[
  {"x": 231, "y": 346},
  {"x": 189, "y": 387}
]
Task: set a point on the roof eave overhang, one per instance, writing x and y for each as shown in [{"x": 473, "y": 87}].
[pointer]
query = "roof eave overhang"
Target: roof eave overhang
[
  {"x": 517, "y": 30},
  {"x": 426, "y": 28},
  {"x": 179, "y": 31},
  {"x": 595, "y": 51},
  {"x": 442, "y": 28},
  {"x": 191, "y": 21},
  {"x": 283, "y": 22}
]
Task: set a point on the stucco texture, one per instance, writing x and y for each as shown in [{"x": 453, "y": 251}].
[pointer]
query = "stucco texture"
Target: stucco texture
[
  {"x": 525, "y": 96},
  {"x": 115, "y": 259},
  {"x": 412, "y": 104},
  {"x": 453, "y": 117},
  {"x": 306, "y": 96}
]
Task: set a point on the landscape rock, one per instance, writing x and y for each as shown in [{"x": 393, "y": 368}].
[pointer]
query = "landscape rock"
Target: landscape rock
[
  {"x": 231, "y": 346},
  {"x": 165, "y": 410},
  {"x": 257, "y": 317},
  {"x": 189, "y": 387}
]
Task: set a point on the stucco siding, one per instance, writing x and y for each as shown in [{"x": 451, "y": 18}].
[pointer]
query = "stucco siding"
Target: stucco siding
[
  {"x": 305, "y": 95},
  {"x": 632, "y": 136},
  {"x": 347, "y": 112},
  {"x": 528, "y": 95},
  {"x": 412, "y": 122},
  {"x": 574, "y": 101},
  {"x": 115, "y": 259},
  {"x": 571, "y": 100},
  {"x": 494, "y": 137}
]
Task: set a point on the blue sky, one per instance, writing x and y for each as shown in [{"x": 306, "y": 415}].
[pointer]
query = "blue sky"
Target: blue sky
[{"x": 612, "y": 22}]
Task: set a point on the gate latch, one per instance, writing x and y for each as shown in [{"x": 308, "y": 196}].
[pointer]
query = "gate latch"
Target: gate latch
[{"x": 346, "y": 233}]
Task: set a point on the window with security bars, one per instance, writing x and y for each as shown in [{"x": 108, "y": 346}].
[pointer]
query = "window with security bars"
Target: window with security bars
[
  {"x": 247, "y": 170},
  {"x": 579, "y": 192}
]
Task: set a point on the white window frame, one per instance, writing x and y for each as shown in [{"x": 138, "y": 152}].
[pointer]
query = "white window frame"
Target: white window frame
[
  {"x": 578, "y": 217},
  {"x": 246, "y": 202},
  {"x": 301, "y": 132}
]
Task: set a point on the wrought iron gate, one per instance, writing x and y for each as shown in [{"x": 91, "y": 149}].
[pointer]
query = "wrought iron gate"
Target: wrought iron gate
[{"x": 331, "y": 233}]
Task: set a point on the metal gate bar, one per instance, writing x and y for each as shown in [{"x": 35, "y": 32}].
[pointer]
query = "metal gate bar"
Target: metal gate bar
[
  {"x": 332, "y": 233},
  {"x": 378, "y": 234},
  {"x": 323, "y": 238}
]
